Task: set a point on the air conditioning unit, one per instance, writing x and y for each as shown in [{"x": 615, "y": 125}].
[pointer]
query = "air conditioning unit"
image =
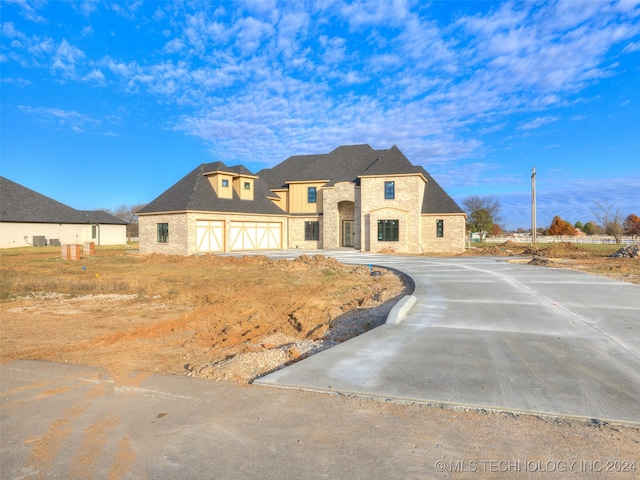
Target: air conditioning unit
[{"x": 39, "y": 241}]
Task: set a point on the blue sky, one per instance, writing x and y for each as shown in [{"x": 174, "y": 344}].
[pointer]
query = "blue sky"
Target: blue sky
[{"x": 108, "y": 103}]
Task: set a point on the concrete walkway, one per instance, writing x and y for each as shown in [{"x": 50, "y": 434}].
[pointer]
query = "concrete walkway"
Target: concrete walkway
[{"x": 496, "y": 335}]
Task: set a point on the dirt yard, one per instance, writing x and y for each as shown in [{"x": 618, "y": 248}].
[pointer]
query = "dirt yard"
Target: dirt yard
[
  {"x": 222, "y": 318},
  {"x": 594, "y": 259}
]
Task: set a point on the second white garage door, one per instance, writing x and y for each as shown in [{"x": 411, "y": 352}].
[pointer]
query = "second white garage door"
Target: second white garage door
[{"x": 256, "y": 235}]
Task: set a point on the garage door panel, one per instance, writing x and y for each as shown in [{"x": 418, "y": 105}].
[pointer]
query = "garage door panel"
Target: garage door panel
[
  {"x": 255, "y": 235},
  {"x": 209, "y": 236}
]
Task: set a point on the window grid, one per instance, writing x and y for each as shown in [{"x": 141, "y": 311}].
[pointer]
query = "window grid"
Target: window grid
[
  {"x": 388, "y": 230},
  {"x": 439, "y": 228},
  {"x": 312, "y": 230},
  {"x": 163, "y": 232}
]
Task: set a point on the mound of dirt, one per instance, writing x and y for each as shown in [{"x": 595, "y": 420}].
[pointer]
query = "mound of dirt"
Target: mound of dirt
[
  {"x": 219, "y": 317},
  {"x": 542, "y": 262},
  {"x": 492, "y": 251},
  {"x": 511, "y": 244}
]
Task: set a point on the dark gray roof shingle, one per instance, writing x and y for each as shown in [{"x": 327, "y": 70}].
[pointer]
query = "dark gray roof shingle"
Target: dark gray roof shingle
[
  {"x": 436, "y": 200},
  {"x": 348, "y": 163},
  {"x": 194, "y": 192},
  {"x": 21, "y": 204}
]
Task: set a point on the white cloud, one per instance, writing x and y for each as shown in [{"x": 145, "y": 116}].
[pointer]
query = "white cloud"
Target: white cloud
[
  {"x": 95, "y": 76},
  {"x": 572, "y": 200},
  {"x": 363, "y": 13},
  {"x": 174, "y": 46},
  {"x": 631, "y": 47},
  {"x": 66, "y": 57},
  {"x": 538, "y": 122},
  {"x": 59, "y": 118},
  {"x": 29, "y": 10},
  {"x": 290, "y": 27},
  {"x": 294, "y": 74},
  {"x": 249, "y": 34}
]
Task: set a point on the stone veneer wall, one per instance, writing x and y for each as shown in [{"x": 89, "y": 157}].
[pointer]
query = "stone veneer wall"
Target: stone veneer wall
[
  {"x": 178, "y": 234},
  {"x": 296, "y": 233},
  {"x": 332, "y": 216},
  {"x": 454, "y": 233},
  {"x": 405, "y": 207}
]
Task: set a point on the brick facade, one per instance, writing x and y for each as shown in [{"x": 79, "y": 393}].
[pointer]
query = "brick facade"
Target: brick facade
[
  {"x": 404, "y": 207},
  {"x": 296, "y": 233},
  {"x": 453, "y": 240}
]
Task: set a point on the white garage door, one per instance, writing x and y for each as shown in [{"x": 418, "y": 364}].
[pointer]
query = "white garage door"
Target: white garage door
[
  {"x": 210, "y": 236},
  {"x": 255, "y": 235}
]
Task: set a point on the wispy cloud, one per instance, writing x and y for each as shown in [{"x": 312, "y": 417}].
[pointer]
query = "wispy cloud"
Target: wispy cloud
[
  {"x": 538, "y": 122},
  {"x": 29, "y": 9},
  {"x": 572, "y": 201},
  {"x": 282, "y": 74},
  {"x": 60, "y": 119}
]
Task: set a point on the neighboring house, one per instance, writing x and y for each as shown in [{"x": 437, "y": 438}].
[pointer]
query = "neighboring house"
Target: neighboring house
[
  {"x": 27, "y": 217},
  {"x": 353, "y": 197}
]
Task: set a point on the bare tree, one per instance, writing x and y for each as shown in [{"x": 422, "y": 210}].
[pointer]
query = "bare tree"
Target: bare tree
[
  {"x": 482, "y": 213},
  {"x": 609, "y": 219},
  {"x": 128, "y": 214}
]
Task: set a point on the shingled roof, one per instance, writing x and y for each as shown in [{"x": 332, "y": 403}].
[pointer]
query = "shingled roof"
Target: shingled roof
[
  {"x": 349, "y": 163},
  {"x": 436, "y": 200},
  {"x": 194, "y": 192},
  {"x": 344, "y": 164},
  {"x": 23, "y": 205}
]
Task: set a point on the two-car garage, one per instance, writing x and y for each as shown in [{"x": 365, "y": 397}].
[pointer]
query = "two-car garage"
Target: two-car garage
[{"x": 211, "y": 235}]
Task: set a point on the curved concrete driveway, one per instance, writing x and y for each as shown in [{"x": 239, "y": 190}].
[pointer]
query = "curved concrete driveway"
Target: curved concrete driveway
[{"x": 491, "y": 334}]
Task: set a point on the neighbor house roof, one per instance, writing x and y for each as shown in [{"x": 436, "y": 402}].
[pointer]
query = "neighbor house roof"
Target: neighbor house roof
[
  {"x": 21, "y": 204},
  {"x": 194, "y": 192}
]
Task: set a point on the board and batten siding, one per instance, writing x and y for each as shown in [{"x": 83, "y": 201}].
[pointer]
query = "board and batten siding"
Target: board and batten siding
[{"x": 298, "y": 198}]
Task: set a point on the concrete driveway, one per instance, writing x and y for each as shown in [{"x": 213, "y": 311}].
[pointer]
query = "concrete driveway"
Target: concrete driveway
[{"x": 491, "y": 334}]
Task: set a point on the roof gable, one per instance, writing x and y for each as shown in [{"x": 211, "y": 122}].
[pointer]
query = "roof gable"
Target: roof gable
[
  {"x": 194, "y": 192},
  {"x": 21, "y": 204},
  {"x": 390, "y": 162}
]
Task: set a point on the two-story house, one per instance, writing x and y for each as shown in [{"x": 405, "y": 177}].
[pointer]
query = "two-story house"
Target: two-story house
[{"x": 353, "y": 197}]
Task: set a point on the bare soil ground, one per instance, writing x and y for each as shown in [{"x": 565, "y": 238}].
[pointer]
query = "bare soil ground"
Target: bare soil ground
[
  {"x": 594, "y": 259},
  {"x": 208, "y": 316}
]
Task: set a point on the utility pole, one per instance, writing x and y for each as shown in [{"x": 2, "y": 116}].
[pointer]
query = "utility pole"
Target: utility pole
[{"x": 533, "y": 206}]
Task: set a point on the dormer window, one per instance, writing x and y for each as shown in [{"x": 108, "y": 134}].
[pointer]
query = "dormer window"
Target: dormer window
[
  {"x": 225, "y": 182},
  {"x": 247, "y": 185}
]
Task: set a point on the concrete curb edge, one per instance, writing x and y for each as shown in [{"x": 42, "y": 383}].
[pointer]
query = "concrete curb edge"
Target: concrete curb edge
[{"x": 400, "y": 309}]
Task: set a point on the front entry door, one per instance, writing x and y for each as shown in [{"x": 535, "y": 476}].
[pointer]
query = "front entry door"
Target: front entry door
[{"x": 347, "y": 233}]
